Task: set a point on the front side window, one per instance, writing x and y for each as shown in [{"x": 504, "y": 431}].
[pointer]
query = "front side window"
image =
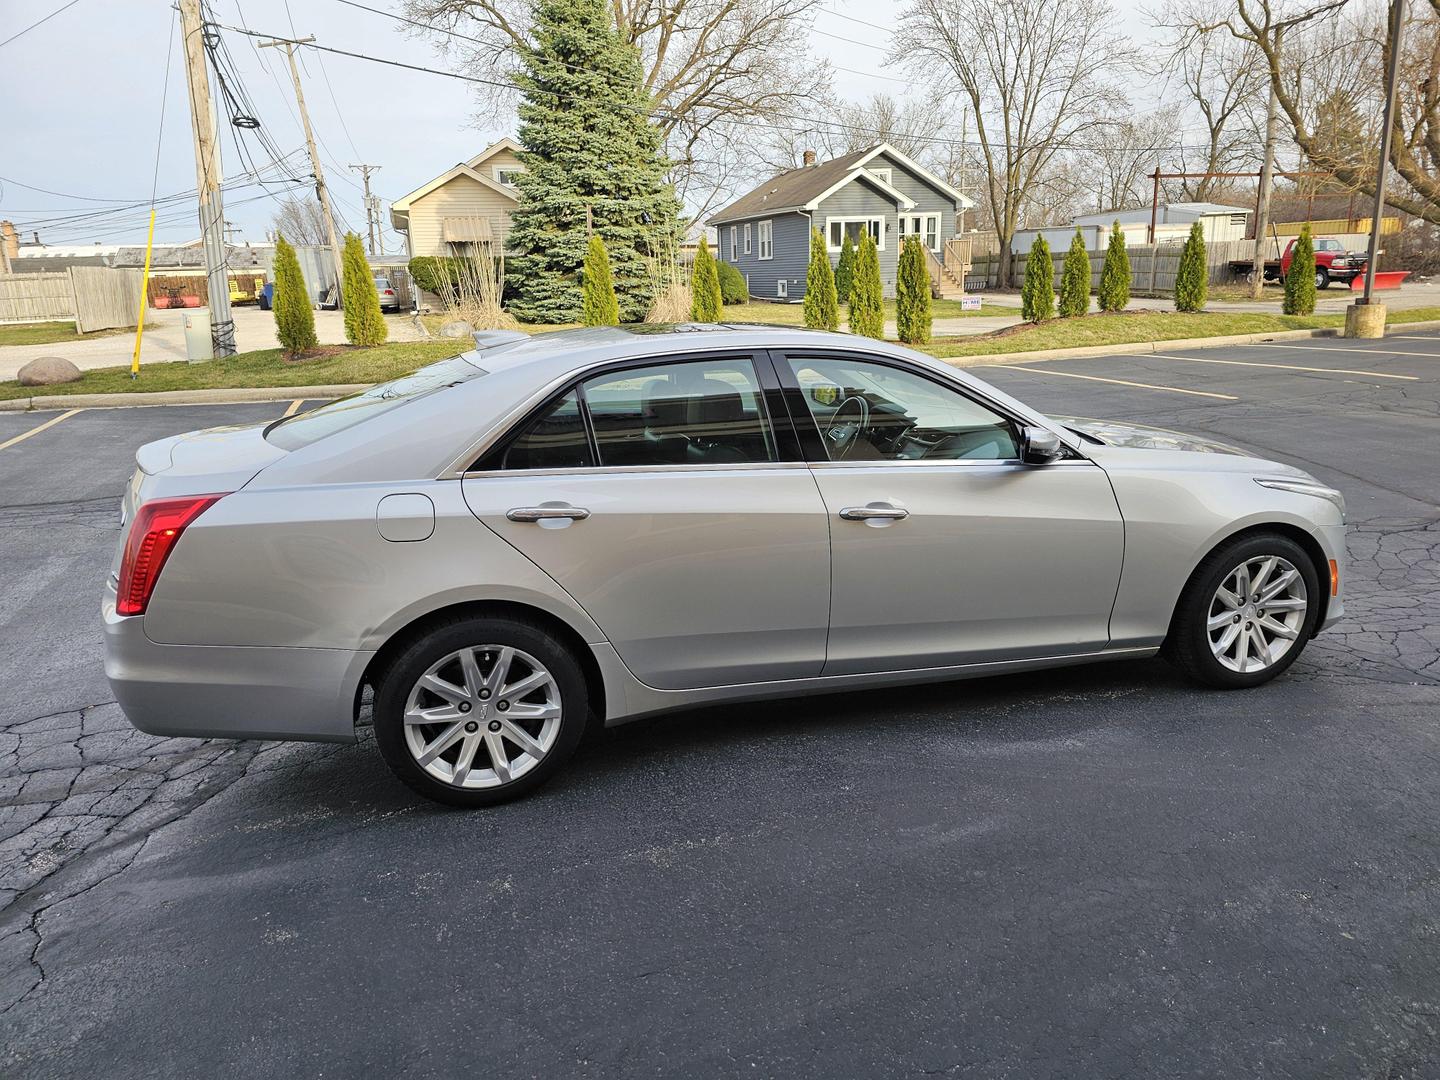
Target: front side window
[
  {"x": 704, "y": 412},
  {"x": 836, "y": 229},
  {"x": 868, "y": 411},
  {"x": 766, "y": 232}
]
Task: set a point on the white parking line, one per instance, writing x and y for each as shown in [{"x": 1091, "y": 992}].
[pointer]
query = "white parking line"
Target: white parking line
[
  {"x": 1339, "y": 348},
  {"x": 293, "y": 409},
  {"x": 1116, "y": 382},
  {"x": 1413, "y": 337},
  {"x": 39, "y": 428},
  {"x": 1286, "y": 367}
]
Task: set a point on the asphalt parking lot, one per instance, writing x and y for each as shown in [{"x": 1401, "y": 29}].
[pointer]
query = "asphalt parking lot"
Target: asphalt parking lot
[{"x": 1081, "y": 873}]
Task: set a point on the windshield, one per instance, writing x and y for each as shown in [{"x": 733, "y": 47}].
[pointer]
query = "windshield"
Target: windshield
[{"x": 293, "y": 432}]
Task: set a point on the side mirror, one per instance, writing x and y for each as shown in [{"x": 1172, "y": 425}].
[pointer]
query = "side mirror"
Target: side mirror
[{"x": 1039, "y": 446}]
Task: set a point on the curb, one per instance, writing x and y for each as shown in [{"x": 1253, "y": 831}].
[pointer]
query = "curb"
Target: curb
[
  {"x": 247, "y": 395},
  {"x": 1165, "y": 346},
  {"x": 238, "y": 396}
]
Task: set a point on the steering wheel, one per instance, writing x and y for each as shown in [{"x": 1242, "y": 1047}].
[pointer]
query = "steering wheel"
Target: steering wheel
[{"x": 846, "y": 424}]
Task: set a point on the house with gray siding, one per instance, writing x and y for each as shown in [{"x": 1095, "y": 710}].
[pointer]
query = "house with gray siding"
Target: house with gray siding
[{"x": 765, "y": 234}]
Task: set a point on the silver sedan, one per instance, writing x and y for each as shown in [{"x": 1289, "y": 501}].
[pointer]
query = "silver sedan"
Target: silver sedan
[{"x": 597, "y": 525}]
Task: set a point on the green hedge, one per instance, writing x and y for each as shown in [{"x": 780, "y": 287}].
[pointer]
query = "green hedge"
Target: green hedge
[
  {"x": 732, "y": 285},
  {"x": 428, "y": 271}
]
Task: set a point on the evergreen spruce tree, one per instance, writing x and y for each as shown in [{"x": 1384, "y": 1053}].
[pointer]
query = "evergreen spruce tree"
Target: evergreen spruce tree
[
  {"x": 587, "y": 145},
  {"x": 1191, "y": 279},
  {"x": 1300, "y": 279},
  {"x": 822, "y": 309},
  {"x": 845, "y": 270},
  {"x": 1114, "y": 291},
  {"x": 364, "y": 324},
  {"x": 1075, "y": 279},
  {"x": 599, "y": 307},
  {"x": 867, "y": 304},
  {"x": 912, "y": 294},
  {"x": 1037, "y": 292},
  {"x": 294, "y": 319},
  {"x": 706, "y": 302}
]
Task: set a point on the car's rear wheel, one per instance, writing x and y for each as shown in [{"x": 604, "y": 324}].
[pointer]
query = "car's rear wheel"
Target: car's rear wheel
[
  {"x": 1246, "y": 613},
  {"x": 480, "y": 710}
]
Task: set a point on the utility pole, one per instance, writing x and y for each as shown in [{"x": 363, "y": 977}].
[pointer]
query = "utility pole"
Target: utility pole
[
  {"x": 321, "y": 191},
  {"x": 1397, "y": 42},
  {"x": 207, "y": 174},
  {"x": 1262, "y": 207},
  {"x": 372, "y": 209}
]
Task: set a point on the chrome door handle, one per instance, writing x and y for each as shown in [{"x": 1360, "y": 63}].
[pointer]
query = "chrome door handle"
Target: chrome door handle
[
  {"x": 547, "y": 513},
  {"x": 867, "y": 513}
]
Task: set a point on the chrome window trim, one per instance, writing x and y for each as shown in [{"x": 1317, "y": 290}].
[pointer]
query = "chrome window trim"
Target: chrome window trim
[
  {"x": 605, "y": 470},
  {"x": 947, "y": 463}
]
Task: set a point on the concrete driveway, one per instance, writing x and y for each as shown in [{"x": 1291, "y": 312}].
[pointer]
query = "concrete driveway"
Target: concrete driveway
[{"x": 164, "y": 339}]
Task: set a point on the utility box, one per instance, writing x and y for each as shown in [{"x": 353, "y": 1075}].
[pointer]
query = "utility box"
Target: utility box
[{"x": 198, "y": 344}]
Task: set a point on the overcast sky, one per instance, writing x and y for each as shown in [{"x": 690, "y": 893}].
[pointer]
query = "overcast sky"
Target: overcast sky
[{"x": 84, "y": 108}]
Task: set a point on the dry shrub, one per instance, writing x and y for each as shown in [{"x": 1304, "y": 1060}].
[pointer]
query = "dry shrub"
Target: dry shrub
[
  {"x": 472, "y": 286},
  {"x": 669, "y": 283}
]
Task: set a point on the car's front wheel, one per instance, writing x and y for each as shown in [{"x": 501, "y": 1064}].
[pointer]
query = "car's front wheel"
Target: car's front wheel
[
  {"x": 480, "y": 710},
  {"x": 1322, "y": 278},
  {"x": 1246, "y": 613}
]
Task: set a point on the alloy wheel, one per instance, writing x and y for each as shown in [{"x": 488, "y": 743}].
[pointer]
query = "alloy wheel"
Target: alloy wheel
[
  {"x": 483, "y": 716},
  {"x": 1257, "y": 613}
]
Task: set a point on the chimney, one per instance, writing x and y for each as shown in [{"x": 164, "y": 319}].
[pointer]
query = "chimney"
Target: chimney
[
  {"x": 809, "y": 158},
  {"x": 10, "y": 239}
]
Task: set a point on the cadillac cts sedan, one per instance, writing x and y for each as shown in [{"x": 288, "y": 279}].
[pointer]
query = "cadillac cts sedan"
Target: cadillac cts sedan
[{"x": 592, "y": 526}]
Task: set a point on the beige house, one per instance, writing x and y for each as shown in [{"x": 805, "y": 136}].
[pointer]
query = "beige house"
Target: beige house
[{"x": 468, "y": 205}]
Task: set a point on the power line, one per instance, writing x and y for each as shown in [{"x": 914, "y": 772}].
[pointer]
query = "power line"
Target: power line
[
  {"x": 809, "y": 124},
  {"x": 33, "y": 25}
]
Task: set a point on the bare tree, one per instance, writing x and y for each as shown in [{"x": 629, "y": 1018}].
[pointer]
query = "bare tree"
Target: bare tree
[
  {"x": 301, "y": 220},
  {"x": 919, "y": 126},
  {"x": 1117, "y": 169},
  {"x": 1224, "y": 82},
  {"x": 1289, "y": 37},
  {"x": 714, "y": 69},
  {"x": 1036, "y": 74}
]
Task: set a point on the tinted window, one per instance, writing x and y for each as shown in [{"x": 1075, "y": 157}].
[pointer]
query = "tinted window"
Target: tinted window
[
  {"x": 703, "y": 412},
  {"x": 871, "y": 412},
  {"x": 555, "y": 439}
]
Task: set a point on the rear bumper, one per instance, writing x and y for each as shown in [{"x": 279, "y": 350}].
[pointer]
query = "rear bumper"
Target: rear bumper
[{"x": 230, "y": 692}]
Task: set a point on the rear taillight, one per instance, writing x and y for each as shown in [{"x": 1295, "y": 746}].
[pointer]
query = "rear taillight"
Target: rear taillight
[
  {"x": 157, "y": 528},
  {"x": 389, "y": 292}
]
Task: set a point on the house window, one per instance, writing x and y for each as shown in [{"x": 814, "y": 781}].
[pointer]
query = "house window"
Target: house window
[
  {"x": 732, "y": 243},
  {"x": 506, "y": 174},
  {"x": 925, "y": 226},
  {"x": 746, "y": 232},
  {"x": 837, "y": 228},
  {"x": 884, "y": 174},
  {"x": 782, "y": 288},
  {"x": 766, "y": 239}
]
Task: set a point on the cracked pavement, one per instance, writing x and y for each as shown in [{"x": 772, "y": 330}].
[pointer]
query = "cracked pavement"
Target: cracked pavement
[{"x": 1094, "y": 872}]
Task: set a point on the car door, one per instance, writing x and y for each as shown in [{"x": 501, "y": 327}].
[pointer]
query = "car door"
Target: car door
[
  {"x": 945, "y": 548},
  {"x": 664, "y": 499}
]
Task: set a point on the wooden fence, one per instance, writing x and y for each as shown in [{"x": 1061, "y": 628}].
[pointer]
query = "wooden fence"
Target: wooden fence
[
  {"x": 36, "y": 298},
  {"x": 1152, "y": 266},
  {"x": 94, "y": 297}
]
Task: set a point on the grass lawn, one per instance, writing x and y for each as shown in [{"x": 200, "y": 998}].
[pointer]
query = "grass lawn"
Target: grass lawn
[
  {"x": 48, "y": 333},
  {"x": 264, "y": 367},
  {"x": 1143, "y": 326}
]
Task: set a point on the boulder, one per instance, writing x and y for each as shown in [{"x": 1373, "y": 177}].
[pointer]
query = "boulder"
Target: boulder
[
  {"x": 47, "y": 371},
  {"x": 457, "y": 329}
]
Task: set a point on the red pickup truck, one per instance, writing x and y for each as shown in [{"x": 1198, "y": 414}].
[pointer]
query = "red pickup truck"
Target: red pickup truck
[{"x": 1332, "y": 262}]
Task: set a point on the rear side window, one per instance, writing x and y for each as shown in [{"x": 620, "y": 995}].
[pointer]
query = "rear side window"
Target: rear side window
[
  {"x": 704, "y": 412},
  {"x": 556, "y": 439}
]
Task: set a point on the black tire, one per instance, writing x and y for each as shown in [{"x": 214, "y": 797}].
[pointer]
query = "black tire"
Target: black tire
[
  {"x": 1188, "y": 644},
  {"x": 1322, "y": 278},
  {"x": 393, "y": 686}
]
